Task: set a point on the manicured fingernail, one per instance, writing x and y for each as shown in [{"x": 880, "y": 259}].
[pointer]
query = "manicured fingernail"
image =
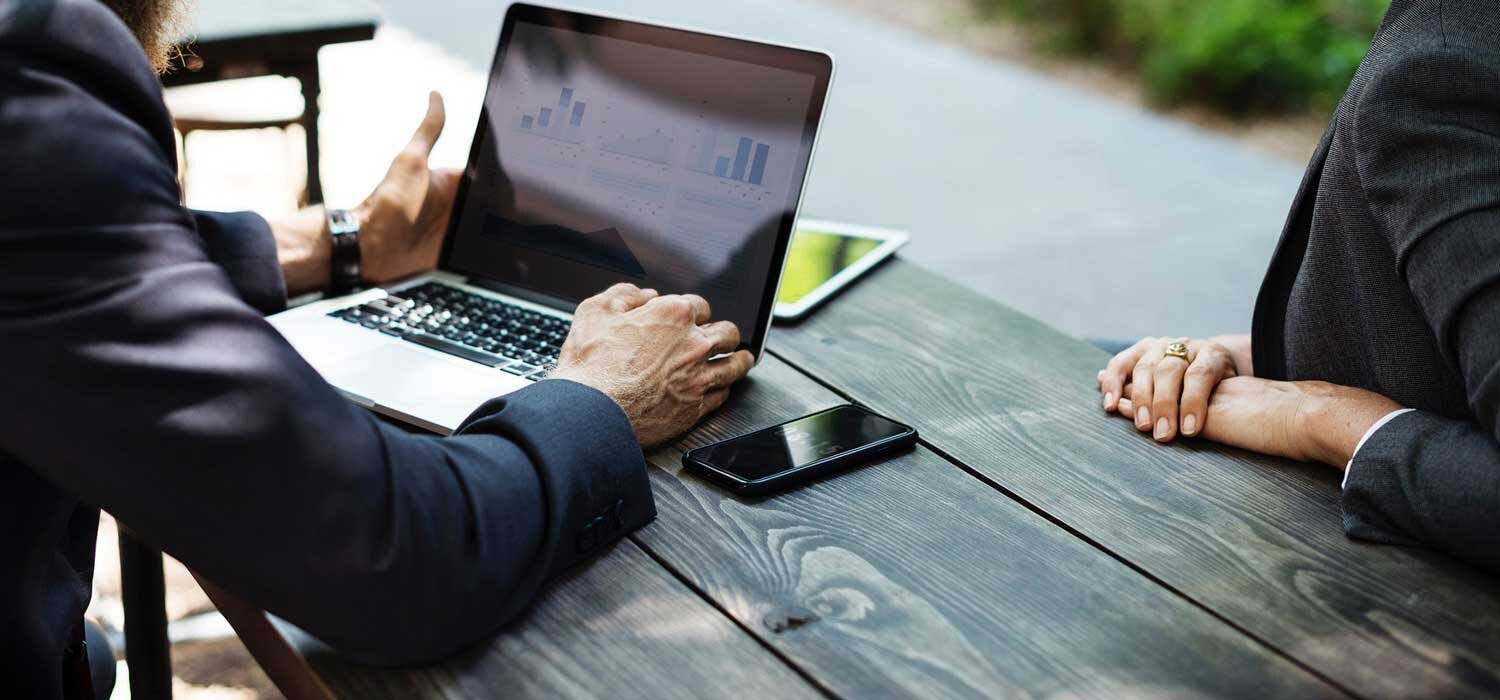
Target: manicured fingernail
[
  {"x": 1161, "y": 428},
  {"x": 1189, "y": 424},
  {"x": 1143, "y": 417},
  {"x": 1109, "y": 400}
]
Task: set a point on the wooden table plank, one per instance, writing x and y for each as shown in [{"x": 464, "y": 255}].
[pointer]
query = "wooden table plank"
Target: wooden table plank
[
  {"x": 1257, "y": 540},
  {"x": 911, "y": 577},
  {"x": 621, "y": 627}
]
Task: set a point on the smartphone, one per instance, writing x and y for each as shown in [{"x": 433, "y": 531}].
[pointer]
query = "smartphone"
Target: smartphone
[{"x": 800, "y": 450}]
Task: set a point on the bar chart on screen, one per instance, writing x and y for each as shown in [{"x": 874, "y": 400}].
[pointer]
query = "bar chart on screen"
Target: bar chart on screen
[
  {"x": 730, "y": 156},
  {"x": 562, "y": 121}
]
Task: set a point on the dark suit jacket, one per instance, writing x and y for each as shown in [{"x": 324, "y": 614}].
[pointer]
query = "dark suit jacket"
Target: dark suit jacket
[
  {"x": 1387, "y": 277},
  {"x": 137, "y": 375}
]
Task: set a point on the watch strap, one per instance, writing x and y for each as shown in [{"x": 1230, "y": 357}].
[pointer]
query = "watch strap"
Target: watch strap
[{"x": 343, "y": 229}]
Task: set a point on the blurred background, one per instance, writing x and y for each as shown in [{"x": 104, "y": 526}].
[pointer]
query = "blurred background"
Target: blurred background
[{"x": 1116, "y": 168}]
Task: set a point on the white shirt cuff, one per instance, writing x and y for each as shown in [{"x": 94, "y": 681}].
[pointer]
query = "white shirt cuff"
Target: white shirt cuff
[{"x": 1378, "y": 425}]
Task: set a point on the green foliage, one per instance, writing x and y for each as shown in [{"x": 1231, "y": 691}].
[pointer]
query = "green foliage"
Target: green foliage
[{"x": 1241, "y": 55}]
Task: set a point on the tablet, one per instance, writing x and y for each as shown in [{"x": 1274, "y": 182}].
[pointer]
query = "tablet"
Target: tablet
[{"x": 824, "y": 257}]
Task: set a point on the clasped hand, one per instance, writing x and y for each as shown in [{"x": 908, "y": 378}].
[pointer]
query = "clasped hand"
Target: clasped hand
[{"x": 1213, "y": 394}]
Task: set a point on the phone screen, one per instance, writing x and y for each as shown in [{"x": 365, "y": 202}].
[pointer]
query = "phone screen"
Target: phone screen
[{"x": 801, "y": 442}]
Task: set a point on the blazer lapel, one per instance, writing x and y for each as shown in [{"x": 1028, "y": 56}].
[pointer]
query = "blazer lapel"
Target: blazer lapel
[{"x": 1268, "y": 328}]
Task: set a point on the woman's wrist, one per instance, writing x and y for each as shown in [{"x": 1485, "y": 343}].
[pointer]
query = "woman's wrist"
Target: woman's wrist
[{"x": 1333, "y": 419}]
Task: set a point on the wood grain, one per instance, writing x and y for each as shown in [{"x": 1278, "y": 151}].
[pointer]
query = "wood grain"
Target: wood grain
[
  {"x": 1259, "y": 541},
  {"x": 621, "y": 627},
  {"x": 912, "y": 578}
]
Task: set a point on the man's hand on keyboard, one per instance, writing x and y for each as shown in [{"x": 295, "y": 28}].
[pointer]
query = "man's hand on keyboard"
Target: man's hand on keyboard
[{"x": 651, "y": 354}]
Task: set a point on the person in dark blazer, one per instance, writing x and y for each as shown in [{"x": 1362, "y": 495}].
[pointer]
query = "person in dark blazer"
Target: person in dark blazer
[
  {"x": 1375, "y": 347},
  {"x": 137, "y": 375}
]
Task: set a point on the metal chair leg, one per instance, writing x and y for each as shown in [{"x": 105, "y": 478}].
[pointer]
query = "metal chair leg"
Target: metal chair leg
[{"x": 144, "y": 592}]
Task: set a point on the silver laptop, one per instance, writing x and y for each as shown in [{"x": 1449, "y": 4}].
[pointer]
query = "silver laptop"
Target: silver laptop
[{"x": 607, "y": 151}]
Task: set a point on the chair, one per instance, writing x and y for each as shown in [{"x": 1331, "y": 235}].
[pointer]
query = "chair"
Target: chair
[{"x": 236, "y": 105}]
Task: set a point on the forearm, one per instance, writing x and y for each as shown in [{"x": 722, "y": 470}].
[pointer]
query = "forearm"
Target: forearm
[
  {"x": 304, "y": 250},
  {"x": 1422, "y": 478},
  {"x": 315, "y": 510},
  {"x": 1333, "y": 419}
]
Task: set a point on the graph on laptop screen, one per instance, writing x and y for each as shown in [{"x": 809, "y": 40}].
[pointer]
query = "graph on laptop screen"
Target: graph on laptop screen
[{"x": 605, "y": 160}]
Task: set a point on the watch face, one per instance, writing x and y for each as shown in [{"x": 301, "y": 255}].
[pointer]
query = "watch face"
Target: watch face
[{"x": 342, "y": 221}]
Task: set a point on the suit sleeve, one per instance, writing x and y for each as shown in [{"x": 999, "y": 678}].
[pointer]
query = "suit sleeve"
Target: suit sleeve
[
  {"x": 242, "y": 245},
  {"x": 138, "y": 378},
  {"x": 1428, "y": 137}
]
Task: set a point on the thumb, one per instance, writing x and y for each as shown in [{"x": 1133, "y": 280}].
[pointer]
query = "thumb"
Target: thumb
[{"x": 430, "y": 128}]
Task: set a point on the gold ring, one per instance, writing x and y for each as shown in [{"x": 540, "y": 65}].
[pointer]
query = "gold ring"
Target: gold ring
[{"x": 1176, "y": 350}]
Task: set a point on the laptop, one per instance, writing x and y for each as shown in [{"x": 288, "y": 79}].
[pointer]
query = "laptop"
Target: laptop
[{"x": 607, "y": 150}]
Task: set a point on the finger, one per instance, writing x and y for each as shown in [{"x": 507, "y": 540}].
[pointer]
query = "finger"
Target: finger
[
  {"x": 701, "y": 310},
  {"x": 430, "y": 129},
  {"x": 445, "y": 181},
  {"x": 724, "y": 335},
  {"x": 1125, "y": 407},
  {"x": 1198, "y": 384},
  {"x": 1166, "y": 380},
  {"x": 713, "y": 400},
  {"x": 729, "y": 370},
  {"x": 1143, "y": 391},
  {"x": 619, "y": 298},
  {"x": 1117, "y": 373}
]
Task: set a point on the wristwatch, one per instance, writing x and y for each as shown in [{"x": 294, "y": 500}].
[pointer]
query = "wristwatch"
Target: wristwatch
[{"x": 343, "y": 227}]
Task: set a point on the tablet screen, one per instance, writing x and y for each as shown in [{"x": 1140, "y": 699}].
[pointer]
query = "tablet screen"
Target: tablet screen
[{"x": 815, "y": 257}]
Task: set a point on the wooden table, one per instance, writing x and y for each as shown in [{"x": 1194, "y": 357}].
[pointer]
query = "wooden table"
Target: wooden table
[
  {"x": 1031, "y": 546},
  {"x": 240, "y": 39}
]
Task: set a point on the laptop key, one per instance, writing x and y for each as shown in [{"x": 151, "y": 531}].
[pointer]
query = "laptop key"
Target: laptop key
[
  {"x": 520, "y": 369},
  {"x": 452, "y": 348}
]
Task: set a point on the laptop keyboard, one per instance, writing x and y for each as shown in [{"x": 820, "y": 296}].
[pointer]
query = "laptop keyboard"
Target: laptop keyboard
[{"x": 488, "y": 331}]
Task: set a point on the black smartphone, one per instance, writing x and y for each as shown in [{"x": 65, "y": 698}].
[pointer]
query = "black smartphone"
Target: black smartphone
[{"x": 800, "y": 450}]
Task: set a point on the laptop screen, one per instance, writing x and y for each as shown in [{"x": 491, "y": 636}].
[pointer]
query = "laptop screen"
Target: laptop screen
[{"x": 611, "y": 151}]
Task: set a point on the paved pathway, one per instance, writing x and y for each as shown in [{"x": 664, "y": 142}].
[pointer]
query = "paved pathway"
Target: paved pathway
[{"x": 1095, "y": 216}]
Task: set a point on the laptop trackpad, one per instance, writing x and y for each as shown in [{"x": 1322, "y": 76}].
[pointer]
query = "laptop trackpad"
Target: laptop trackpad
[{"x": 432, "y": 388}]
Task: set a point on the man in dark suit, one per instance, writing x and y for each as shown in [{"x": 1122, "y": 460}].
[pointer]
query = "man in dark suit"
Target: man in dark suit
[
  {"x": 1376, "y": 342},
  {"x": 140, "y": 377}
]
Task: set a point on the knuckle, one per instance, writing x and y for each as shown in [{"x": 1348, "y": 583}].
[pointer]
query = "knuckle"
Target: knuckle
[
  {"x": 1200, "y": 370},
  {"x": 702, "y": 345},
  {"x": 411, "y": 156}
]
